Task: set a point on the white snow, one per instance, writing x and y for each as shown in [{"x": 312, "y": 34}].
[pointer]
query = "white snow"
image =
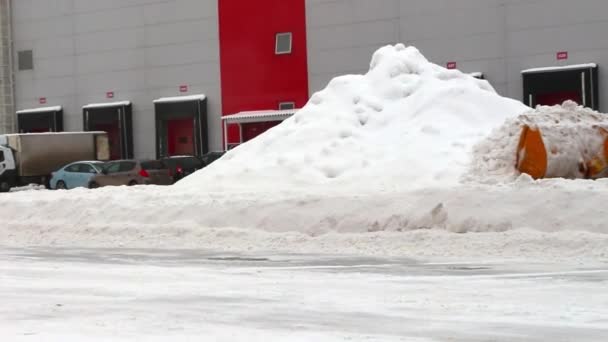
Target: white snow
[
  {"x": 28, "y": 187},
  {"x": 107, "y": 104},
  {"x": 198, "y": 97},
  {"x": 548, "y": 220},
  {"x": 40, "y": 110},
  {"x": 560, "y": 68},
  {"x": 405, "y": 124},
  {"x": 393, "y": 162},
  {"x": 410, "y": 160}
]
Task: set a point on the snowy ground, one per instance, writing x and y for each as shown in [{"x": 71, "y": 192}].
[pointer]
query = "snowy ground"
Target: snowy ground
[
  {"x": 410, "y": 161},
  {"x": 154, "y": 295},
  {"x": 548, "y": 220}
]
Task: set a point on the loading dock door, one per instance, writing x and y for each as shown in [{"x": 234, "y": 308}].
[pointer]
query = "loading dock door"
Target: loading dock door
[
  {"x": 180, "y": 137},
  {"x": 115, "y": 119},
  {"x": 40, "y": 120},
  {"x": 551, "y": 86},
  {"x": 181, "y": 126},
  {"x": 556, "y": 98}
]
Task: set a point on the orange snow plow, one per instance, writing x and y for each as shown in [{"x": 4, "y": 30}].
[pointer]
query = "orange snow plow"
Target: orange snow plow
[
  {"x": 531, "y": 153},
  {"x": 563, "y": 145}
]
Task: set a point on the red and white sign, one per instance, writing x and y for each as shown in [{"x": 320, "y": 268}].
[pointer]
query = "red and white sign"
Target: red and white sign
[
  {"x": 110, "y": 95},
  {"x": 42, "y": 100},
  {"x": 562, "y": 55},
  {"x": 451, "y": 65},
  {"x": 183, "y": 88}
]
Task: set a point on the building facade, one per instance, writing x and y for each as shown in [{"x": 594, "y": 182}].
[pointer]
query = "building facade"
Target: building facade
[
  {"x": 7, "y": 105},
  {"x": 159, "y": 75}
]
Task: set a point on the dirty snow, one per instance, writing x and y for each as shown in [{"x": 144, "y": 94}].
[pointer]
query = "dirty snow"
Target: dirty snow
[{"x": 572, "y": 134}]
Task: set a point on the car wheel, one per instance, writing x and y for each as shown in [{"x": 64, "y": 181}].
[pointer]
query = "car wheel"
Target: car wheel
[
  {"x": 5, "y": 186},
  {"x": 61, "y": 185},
  {"x": 93, "y": 185},
  {"x": 132, "y": 183}
]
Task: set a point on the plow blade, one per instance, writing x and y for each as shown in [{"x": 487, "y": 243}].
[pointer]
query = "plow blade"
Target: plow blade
[{"x": 556, "y": 145}]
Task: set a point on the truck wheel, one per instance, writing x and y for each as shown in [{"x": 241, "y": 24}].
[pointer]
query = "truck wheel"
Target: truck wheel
[
  {"x": 132, "y": 183},
  {"x": 5, "y": 186},
  {"x": 61, "y": 185},
  {"x": 93, "y": 185}
]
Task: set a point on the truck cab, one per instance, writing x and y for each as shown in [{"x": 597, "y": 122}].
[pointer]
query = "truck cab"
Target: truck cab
[{"x": 8, "y": 170}]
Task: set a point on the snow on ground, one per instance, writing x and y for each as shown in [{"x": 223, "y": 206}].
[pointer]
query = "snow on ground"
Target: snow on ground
[
  {"x": 141, "y": 295},
  {"x": 28, "y": 188},
  {"x": 554, "y": 215},
  {"x": 410, "y": 160},
  {"x": 382, "y": 164}
]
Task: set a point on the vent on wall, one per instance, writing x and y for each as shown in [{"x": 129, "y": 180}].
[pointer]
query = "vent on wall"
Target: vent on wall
[
  {"x": 287, "y": 105},
  {"x": 25, "y": 60},
  {"x": 283, "y": 43}
]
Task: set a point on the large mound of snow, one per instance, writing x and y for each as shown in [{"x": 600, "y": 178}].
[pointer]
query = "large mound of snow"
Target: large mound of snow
[
  {"x": 408, "y": 126},
  {"x": 407, "y": 123}
]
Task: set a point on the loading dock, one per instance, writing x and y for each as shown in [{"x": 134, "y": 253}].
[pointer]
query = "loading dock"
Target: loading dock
[
  {"x": 554, "y": 85},
  {"x": 40, "y": 120},
  {"x": 116, "y": 119},
  {"x": 253, "y": 123},
  {"x": 181, "y": 126}
]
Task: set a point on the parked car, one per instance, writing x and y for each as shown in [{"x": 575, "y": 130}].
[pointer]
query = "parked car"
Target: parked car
[
  {"x": 133, "y": 172},
  {"x": 76, "y": 175},
  {"x": 211, "y": 157},
  {"x": 182, "y": 166}
]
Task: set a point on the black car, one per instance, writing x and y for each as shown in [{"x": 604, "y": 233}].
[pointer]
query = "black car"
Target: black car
[
  {"x": 211, "y": 157},
  {"x": 182, "y": 166}
]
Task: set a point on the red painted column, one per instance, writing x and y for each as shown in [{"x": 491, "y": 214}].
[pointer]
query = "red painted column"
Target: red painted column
[{"x": 253, "y": 76}]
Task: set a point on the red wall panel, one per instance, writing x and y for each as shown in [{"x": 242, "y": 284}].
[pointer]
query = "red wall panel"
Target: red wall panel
[{"x": 253, "y": 76}]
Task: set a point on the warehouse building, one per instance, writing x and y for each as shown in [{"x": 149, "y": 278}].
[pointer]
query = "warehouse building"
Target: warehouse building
[{"x": 166, "y": 77}]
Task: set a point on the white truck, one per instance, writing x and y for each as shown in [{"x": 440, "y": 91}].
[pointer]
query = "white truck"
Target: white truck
[{"x": 31, "y": 158}]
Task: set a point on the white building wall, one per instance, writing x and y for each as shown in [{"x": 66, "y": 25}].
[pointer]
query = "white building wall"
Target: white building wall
[
  {"x": 139, "y": 49},
  {"x": 145, "y": 49},
  {"x": 7, "y": 110},
  {"x": 497, "y": 37}
]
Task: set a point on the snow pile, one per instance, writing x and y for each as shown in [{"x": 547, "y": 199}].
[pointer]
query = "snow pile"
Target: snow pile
[
  {"x": 375, "y": 163},
  {"x": 572, "y": 135},
  {"x": 405, "y": 124},
  {"x": 530, "y": 219}
]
